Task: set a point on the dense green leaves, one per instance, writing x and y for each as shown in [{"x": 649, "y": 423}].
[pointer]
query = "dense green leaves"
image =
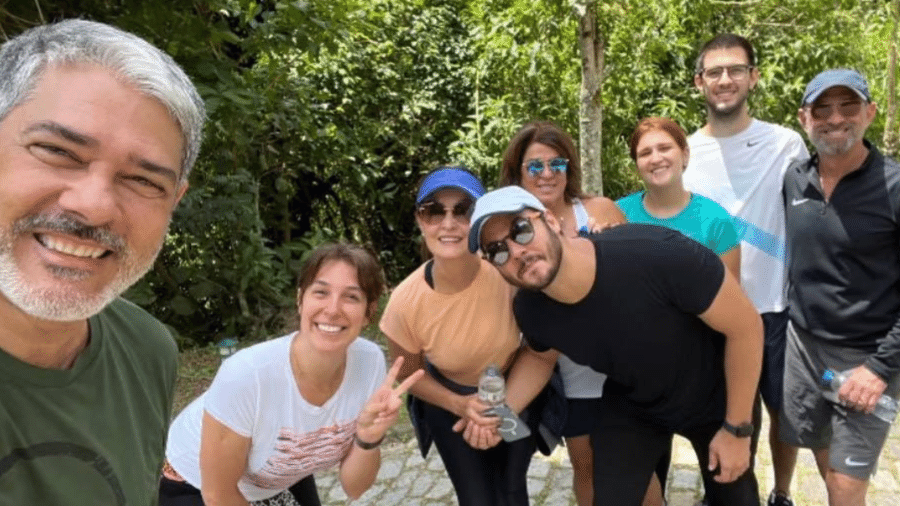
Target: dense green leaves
[{"x": 325, "y": 114}]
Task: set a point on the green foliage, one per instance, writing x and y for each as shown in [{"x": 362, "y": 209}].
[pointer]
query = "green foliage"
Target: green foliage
[{"x": 323, "y": 115}]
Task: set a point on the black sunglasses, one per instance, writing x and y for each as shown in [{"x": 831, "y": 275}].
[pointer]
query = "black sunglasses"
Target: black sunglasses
[
  {"x": 520, "y": 230},
  {"x": 847, "y": 109},
  {"x": 434, "y": 212}
]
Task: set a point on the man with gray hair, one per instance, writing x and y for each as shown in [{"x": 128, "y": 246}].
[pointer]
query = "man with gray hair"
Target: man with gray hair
[
  {"x": 842, "y": 207},
  {"x": 98, "y": 132}
]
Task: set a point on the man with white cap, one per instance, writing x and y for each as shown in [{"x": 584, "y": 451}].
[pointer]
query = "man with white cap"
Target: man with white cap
[
  {"x": 658, "y": 313},
  {"x": 842, "y": 209}
]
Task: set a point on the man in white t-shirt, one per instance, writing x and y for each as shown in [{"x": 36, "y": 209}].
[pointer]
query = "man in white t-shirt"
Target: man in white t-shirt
[{"x": 739, "y": 162}]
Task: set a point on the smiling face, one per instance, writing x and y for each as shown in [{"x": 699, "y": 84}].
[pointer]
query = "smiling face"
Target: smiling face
[
  {"x": 548, "y": 185},
  {"x": 837, "y": 120},
  {"x": 534, "y": 265},
  {"x": 89, "y": 172},
  {"x": 660, "y": 161},
  {"x": 445, "y": 235},
  {"x": 333, "y": 308},
  {"x": 726, "y": 96}
]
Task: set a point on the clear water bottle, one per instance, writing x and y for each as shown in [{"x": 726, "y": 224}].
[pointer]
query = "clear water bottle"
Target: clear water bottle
[
  {"x": 492, "y": 387},
  {"x": 885, "y": 408}
]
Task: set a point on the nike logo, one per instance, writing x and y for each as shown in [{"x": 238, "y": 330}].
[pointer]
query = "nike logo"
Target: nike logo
[
  {"x": 751, "y": 144},
  {"x": 850, "y": 462},
  {"x": 797, "y": 202}
]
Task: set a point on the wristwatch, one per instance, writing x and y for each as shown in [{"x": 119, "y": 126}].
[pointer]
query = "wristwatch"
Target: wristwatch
[{"x": 743, "y": 430}]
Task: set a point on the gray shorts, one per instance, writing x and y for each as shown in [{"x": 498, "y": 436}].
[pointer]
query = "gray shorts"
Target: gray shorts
[{"x": 812, "y": 418}]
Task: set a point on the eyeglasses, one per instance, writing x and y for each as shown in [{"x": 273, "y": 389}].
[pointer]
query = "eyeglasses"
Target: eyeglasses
[
  {"x": 521, "y": 231},
  {"x": 846, "y": 109},
  {"x": 536, "y": 166},
  {"x": 434, "y": 212},
  {"x": 735, "y": 72}
]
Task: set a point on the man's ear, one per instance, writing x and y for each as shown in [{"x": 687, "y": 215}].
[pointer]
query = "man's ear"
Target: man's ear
[
  {"x": 181, "y": 192},
  {"x": 698, "y": 82},
  {"x": 801, "y": 117},
  {"x": 754, "y": 77},
  {"x": 871, "y": 110}
]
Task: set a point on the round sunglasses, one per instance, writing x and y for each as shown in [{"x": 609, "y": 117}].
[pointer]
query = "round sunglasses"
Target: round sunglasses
[{"x": 520, "y": 230}]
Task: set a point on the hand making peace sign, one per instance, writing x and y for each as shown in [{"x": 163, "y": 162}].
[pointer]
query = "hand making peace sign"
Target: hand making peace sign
[{"x": 381, "y": 410}]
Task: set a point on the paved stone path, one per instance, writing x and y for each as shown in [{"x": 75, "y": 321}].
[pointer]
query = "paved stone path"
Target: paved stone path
[{"x": 405, "y": 478}]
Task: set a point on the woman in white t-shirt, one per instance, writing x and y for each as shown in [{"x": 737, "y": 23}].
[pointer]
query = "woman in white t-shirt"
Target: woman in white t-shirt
[{"x": 280, "y": 410}]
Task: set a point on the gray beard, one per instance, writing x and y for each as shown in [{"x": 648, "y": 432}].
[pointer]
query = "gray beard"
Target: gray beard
[
  {"x": 60, "y": 302},
  {"x": 825, "y": 148}
]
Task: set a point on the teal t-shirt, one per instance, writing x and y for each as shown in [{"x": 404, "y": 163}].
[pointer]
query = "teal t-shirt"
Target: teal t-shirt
[
  {"x": 702, "y": 220},
  {"x": 95, "y": 433}
]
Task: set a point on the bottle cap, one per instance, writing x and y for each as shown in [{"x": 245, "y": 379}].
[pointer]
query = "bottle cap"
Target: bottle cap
[{"x": 827, "y": 377}]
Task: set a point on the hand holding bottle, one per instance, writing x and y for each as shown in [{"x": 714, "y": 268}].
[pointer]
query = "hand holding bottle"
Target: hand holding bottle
[{"x": 862, "y": 390}]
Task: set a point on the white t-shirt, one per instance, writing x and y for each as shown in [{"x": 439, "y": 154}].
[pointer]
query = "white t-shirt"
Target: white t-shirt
[
  {"x": 255, "y": 395},
  {"x": 744, "y": 173}
]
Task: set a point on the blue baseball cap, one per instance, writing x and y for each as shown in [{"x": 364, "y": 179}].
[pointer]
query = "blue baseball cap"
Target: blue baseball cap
[
  {"x": 449, "y": 177},
  {"x": 506, "y": 200},
  {"x": 836, "y": 77}
]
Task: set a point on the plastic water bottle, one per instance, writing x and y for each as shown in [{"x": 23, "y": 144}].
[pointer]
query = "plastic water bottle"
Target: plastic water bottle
[
  {"x": 492, "y": 387},
  {"x": 885, "y": 409}
]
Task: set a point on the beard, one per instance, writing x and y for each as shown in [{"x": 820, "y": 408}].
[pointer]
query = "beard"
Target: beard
[
  {"x": 835, "y": 147},
  {"x": 64, "y": 301},
  {"x": 726, "y": 112},
  {"x": 554, "y": 258}
]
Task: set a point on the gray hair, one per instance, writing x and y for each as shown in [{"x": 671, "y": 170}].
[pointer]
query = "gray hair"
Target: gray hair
[{"x": 76, "y": 41}]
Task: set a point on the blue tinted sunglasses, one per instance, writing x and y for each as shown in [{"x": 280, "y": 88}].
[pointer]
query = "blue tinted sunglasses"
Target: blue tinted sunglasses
[{"x": 536, "y": 166}]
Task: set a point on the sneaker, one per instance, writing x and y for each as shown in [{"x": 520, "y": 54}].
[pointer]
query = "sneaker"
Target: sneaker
[{"x": 779, "y": 498}]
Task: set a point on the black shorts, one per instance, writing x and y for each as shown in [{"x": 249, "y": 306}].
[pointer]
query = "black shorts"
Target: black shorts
[
  {"x": 581, "y": 417},
  {"x": 771, "y": 380}
]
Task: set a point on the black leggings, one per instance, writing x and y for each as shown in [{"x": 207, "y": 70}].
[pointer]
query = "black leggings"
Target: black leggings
[
  {"x": 493, "y": 477},
  {"x": 179, "y": 493}
]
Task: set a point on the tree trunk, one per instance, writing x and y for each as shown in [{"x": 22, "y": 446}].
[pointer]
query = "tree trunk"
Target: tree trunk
[
  {"x": 891, "y": 139},
  {"x": 590, "y": 109}
]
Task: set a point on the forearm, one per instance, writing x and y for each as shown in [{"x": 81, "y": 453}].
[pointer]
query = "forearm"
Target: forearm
[
  {"x": 886, "y": 361},
  {"x": 359, "y": 470},
  {"x": 528, "y": 376},
  {"x": 223, "y": 497},
  {"x": 743, "y": 363}
]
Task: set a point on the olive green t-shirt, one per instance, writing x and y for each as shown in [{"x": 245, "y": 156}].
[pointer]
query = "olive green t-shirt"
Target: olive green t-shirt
[{"x": 93, "y": 434}]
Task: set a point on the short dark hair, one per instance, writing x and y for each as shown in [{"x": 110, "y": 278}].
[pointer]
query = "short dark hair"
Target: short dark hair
[
  {"x": 654, "y": 123},
  {"x": 547, "y": 133},
  {"x": 725, "y": 41},
  {"x": 369, "y": 274}
]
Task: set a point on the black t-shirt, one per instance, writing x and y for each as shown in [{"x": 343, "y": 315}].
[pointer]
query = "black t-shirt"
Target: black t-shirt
[{"x": 639, "y": 325}]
